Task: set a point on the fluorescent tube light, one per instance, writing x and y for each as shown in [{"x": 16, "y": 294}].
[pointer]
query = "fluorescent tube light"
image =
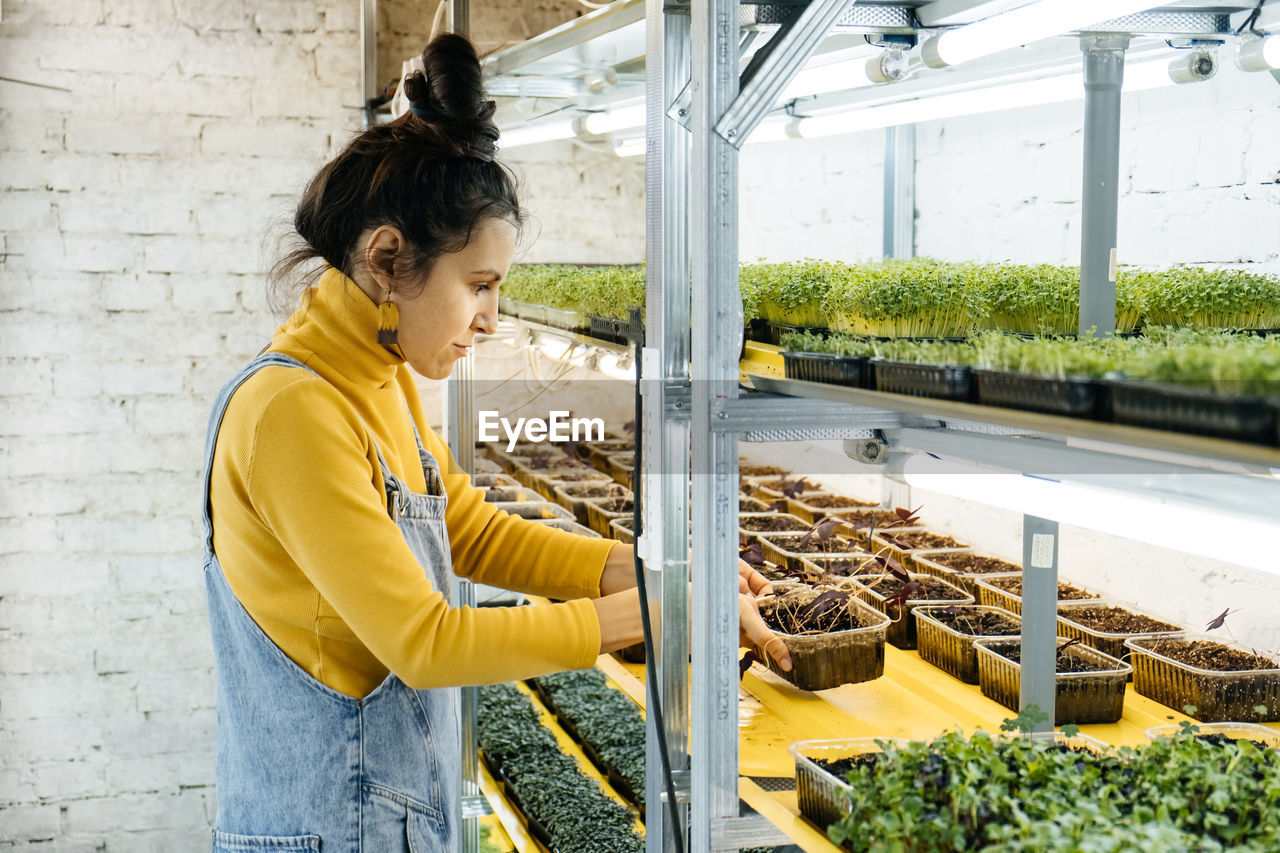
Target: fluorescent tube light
[
  {"x": 532, "y": 134},
  {"x": 624, "y": 118},
  {"x": 1259, "y": 54},
  {"x": 883, "y": 66},
  {"x": 631, "y": 147},
  {"x": 1026, "y": 24},
  {"x": 1048, "y": 90},
  {"x": 1166, "y": 524}
]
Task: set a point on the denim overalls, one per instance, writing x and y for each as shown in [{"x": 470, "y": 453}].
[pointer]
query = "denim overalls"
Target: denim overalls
[{"x": 301, "y": 766}]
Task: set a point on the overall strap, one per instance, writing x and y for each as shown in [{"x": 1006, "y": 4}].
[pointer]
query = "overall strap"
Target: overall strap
[{"x": 264, "y": 359}]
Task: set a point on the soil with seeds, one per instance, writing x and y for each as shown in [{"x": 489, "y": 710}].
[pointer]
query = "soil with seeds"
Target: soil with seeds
[
  {"x": 758, "y": 524},
  {"x": 1207, "y": 654},
  {"x": 832, "y": 501},
  {"x": 932, "y": 589},
  {"x": 761, "y": 471},
  {"x": 842, "y": 767},
  {"x": 921, "y": 541},
  {"x": 778, "y": 485},
  {"x": 549, "y": 462},
  {"x": 977, "y": 623},
  {"x": 834, "y": 545},
  {"x": 616, "y": 505},
  {"x": 786, "y": 615},
  {"x": 1115, "y": 620},
  {"x": 576, "y": 476},
  {"x": 1226, "y": 740},
  {"x": 625, "y": 522},
  {"x": 601, "y": 491},
  {"x": 746, "y": 504},
  {"x": 1067, "y": 662},
  {"x": 611, "y": 446},
  {"x": 1066, "y": 592},
  {"x": 974, "y": 564},
  {"x": 859, "y": 519},
  {"x": 847, "y": 568}
]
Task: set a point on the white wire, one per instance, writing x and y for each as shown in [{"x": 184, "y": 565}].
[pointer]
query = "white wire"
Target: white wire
[{"x": 438, "y": 17}]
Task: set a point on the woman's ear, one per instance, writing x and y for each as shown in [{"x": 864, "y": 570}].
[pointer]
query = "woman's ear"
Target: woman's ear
[{"x": 380, "y": 252}]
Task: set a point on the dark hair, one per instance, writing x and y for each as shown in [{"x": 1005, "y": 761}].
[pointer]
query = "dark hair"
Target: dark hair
[{"x": 430, "y": 173}]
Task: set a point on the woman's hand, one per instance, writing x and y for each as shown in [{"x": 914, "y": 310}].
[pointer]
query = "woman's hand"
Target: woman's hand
[{"x": 755, "y": 635}]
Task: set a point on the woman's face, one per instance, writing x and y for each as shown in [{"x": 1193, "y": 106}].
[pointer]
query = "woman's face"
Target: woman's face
[{"x": 439, "y": 324}]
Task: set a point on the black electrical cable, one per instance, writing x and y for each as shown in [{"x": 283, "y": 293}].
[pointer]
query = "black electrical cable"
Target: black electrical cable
[
  {"x": 651, "y": 661},
  {"x": 1252, "y": 20}
]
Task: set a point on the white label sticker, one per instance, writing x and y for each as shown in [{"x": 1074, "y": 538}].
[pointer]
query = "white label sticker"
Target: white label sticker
[
  {"x": 1042, "y": 551},
  {"x": 1111, "y": 270}
]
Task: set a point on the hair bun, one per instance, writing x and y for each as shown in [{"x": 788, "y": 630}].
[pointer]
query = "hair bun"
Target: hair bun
[{"x": 449, "y": 94}]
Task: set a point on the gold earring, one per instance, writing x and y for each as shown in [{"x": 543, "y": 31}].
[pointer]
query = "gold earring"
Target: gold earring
[{"x": 388, "y": 323}]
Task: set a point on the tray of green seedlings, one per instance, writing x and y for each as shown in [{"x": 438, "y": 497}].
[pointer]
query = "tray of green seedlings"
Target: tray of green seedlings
[
  {"x": 565, "y": 809},
  {"x": 1220, "y": 734},
  {"x": 823, "y": 765}
]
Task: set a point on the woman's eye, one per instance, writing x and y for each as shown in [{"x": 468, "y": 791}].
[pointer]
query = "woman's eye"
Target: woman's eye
[{"x": 482, "y": 286}]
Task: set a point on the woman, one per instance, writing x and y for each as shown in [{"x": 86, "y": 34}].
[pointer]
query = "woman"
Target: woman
[{"x": 336, "y": 514}]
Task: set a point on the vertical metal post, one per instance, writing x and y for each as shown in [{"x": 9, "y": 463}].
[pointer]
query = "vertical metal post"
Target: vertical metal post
[
  {"x": 1039, "y": 616},
  {"x": 1103, "y": 77},
  {"x": 717, "y": 324},
  {"x": 665, "y": 494},
  {"x": 900, "y": 191},
  {"x": 462, "y": 433},
  {"x": 369, "y": 86}
]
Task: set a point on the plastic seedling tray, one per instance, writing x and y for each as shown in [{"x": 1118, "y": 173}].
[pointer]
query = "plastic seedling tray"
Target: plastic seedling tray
[
  {"x": 950, "y": 650},
  {"x": 575, "y": 496},
  {"x": 485, "y": 480},
  {"x": 1269, "y": 737},
  {"x": 510, "y": 494},
  {"x": 598, "y": 452},
  {"x": 932, "y": 563},
  {"x": 622, "y": 467},
  {"x": 822, "y": 794},
  {"x": 820, "y": 565},
  {"x": 607, "y": 329},
  {"x": 1070, "y": 396},
  {"x": 1081, "y": 697},
  {"x": 1235, "y": 696},
  {"x": 1106, "y": 642},
  {"x": 917, "y": 535},
  {"x": 569, "y": 526},
  {"x": 821, "y": 661},
  {"x": 810, "y": 505},
  {"x": 902, "y": 628},
  {"x": 994, "y": 596},
  {"x": 749, "y": 504},
  {"x": 545, "y": 482},
  {"x": 848, "y": 370},
  {"x": 560, "y": 318},
  {"x": 1183, "y": 408},
  {"x": 752, "y": 524},
  {"x": 943, "y": 381},
  {"x": 601, "y": 512},
  {"x": 620, "y": 529},
  {"x": 781, "y": 548},
  {"x": 535, "y": 510}
]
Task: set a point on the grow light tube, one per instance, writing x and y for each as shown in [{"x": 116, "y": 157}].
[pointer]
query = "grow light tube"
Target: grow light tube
[
  {"x": 1259, "y": 54},
  {"x": 532, "y": 134},
  {"x": 1048, "y": 90},
  {"x": 1033, "y": 22},
  {"x": 1166, "y": 524}
]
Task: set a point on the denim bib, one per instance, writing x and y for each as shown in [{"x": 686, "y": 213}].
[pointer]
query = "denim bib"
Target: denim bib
[{"x": 301, "y": 766}]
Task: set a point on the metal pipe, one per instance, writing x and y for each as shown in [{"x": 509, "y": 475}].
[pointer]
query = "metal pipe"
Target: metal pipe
[
  {"x": 1103, "y": 77},
  {"x": 368, "y": 58}
]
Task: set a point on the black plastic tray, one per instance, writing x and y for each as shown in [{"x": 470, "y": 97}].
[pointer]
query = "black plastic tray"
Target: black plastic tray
[
  {"x": 1186, "y": 408},
  {"x": 1072, "y": 396},
  {"x": 941, "y": 381},
  {"x": 848, "y": 370}
]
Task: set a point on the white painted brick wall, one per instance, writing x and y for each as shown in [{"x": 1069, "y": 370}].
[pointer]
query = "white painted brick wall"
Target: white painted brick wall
[{"x": 131, "y": 221}]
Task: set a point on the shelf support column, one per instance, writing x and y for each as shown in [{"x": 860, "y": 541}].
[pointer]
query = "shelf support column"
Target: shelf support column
[
  {"x": 1038, "y": 683},
  {"x": 900, "y": 191},
  {"x": 664, "y": 542},
  {"x": 716, "y": 339},
  {"x": 1103, "y": 77}
]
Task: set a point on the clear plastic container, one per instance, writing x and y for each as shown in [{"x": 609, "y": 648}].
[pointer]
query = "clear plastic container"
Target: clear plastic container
[
  {"x": 1081, "y": 697},
  {"x": 620, "y": 529},
  {"x": 600, "y": 513},
  {"x": 994, "y": 596},
  {"x": 575, "y": 496},
  {"x": 950, "y": 650},
  {"x": 569, "y": 526},
  {"x": 902, "y": 555},
  {"x": 821, "y": 661},
  {"x": 902, "y": 630},
  {"x": 805, "y": 507},
  {"x": 1106, "y": 642},
  {"x": 819, "y": 792},
  {"x": 925, "y": 562},
  {"x": 1217, "y": 696},
  {"x": 749, "y": 522},
  {"x": 778, "y": 548},
  {"x": 488, "y": 480},
  {"x": 535, "y": 510},
  {"x": 1235, "y": 731}
]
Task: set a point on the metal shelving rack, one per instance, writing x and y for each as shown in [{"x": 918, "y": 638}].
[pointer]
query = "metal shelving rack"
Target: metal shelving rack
[{"x": 699, "y": 110}]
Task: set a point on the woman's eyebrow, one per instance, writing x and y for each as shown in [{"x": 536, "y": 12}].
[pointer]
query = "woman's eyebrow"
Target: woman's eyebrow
[{"x": 494, "y": 274}]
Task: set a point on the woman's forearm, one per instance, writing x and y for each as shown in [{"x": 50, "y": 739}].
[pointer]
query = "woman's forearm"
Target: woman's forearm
[{"x": 619, "y": 572}]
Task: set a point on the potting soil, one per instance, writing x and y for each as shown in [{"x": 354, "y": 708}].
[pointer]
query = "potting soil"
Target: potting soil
[
  {"x": 1066, "y": 592},
  {"x": 974, "y": 564},
  {"x": 1207, "y": 654},
  {"x": 1116, "y": 620},
  {"x": 977, "y": 623}
]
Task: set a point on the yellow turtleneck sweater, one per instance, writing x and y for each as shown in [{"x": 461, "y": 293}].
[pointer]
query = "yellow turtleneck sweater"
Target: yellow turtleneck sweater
[{"x": 303, "y": 536}]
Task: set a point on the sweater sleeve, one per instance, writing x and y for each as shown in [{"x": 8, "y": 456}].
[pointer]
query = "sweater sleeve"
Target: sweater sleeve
[{"x": 314, "y": 480}]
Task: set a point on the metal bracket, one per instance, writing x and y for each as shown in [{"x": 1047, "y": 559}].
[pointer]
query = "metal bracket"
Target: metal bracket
[
  {"x": 868, "y": 451},
  {"x": 747, "y": 831},
  {"x": 681, "y": 110},
  {"x": 773, "y": 67},
  {"x": 677, "y": 401},
  {"x": 680, "y": 779},
  {"x": 759, "y": 412},
  {"x": 475, "y": 806}
]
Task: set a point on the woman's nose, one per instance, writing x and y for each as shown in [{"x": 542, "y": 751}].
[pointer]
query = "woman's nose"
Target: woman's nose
[{"x": 486, "y": 320}]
